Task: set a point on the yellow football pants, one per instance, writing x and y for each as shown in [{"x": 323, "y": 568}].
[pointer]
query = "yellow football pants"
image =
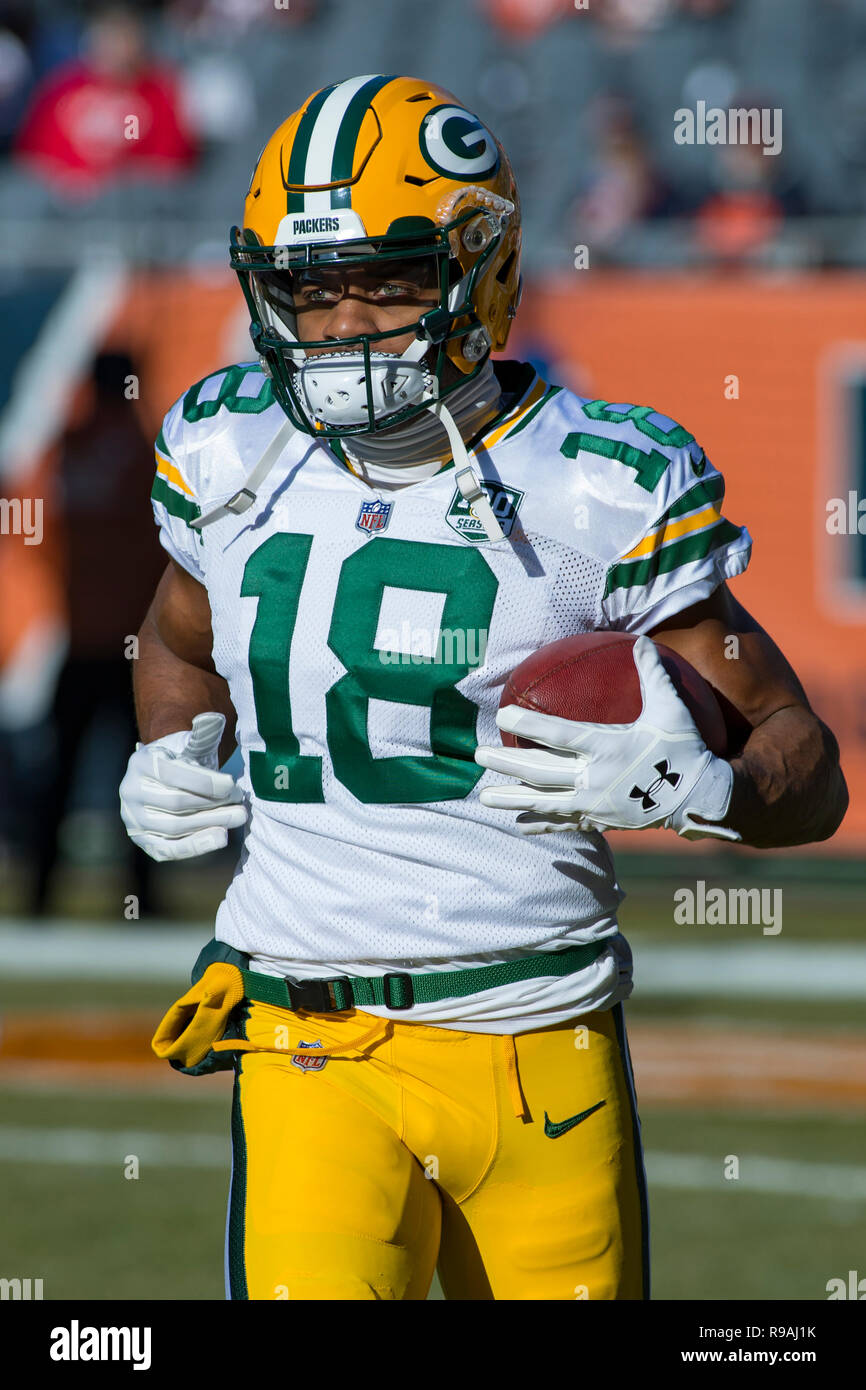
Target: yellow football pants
[{"x": 362, "y": 1164}]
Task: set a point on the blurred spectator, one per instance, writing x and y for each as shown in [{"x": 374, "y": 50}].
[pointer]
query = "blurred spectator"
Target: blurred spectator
[
  {"x": 32, "y": 43},
  {"x": 623, "y": 187},
  {"x": 112, "y": 564},
  {"x": 627, "y": 19},
  {"x": 756, "y": 193},
  {"x": 16, "y": 73},
  {"x": 113, "y": 113},
  {"x": 219, "y": 96}
]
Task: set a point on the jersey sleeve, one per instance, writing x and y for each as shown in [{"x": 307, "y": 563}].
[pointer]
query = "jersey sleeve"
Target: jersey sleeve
[
  {"x": 173, "y": 497},
  {"x": 682, "y": 552}
]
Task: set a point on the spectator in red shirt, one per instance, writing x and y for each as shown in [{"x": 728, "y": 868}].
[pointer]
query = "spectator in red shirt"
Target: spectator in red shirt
[{"x": 114, "y": 113}]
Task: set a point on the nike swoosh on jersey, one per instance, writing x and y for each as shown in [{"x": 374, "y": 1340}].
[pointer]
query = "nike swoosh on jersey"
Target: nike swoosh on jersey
[{"x": 553, "y": 1131}]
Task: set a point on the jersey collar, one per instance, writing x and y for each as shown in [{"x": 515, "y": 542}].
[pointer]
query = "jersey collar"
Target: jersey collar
[{"x": 523, "y": 390}]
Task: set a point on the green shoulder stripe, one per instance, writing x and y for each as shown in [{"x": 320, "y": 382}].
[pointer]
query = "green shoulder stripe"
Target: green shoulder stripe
[
  {"x": 632, "y": 574},
  {"x": 174, "y": 502},
  {"x": 703, "y": 494}
]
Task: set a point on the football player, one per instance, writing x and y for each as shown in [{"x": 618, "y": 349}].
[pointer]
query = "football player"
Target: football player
[{"x": 369, "y": 525}]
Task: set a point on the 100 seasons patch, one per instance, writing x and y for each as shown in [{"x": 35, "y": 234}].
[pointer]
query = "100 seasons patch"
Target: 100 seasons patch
[{"x": 505, "y": 502}]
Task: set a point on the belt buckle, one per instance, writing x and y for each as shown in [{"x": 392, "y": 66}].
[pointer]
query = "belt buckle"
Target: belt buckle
[{"x": 317, "y": 996}]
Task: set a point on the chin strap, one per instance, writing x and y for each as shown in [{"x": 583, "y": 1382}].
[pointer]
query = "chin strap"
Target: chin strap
[
  {"x": 245, "y": 496},
  {"x": 467, "y": 482}
]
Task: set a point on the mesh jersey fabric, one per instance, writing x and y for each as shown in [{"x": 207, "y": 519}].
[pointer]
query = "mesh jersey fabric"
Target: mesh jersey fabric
[{"x": 366, "y": 664}]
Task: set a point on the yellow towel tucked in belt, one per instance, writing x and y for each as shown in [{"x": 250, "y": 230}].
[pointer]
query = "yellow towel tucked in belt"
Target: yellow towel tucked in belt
[
  {"x": 195, "y": 1024},
  {"x": 199, "y": 1017}
]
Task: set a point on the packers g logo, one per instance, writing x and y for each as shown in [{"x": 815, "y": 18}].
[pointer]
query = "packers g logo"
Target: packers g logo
[{"x": 456, "y": 144}]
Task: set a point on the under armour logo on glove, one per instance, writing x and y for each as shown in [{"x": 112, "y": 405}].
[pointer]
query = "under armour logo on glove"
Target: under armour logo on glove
[
  {"x": 646, "y": 797},
  {"x": 575, "y": 775}
]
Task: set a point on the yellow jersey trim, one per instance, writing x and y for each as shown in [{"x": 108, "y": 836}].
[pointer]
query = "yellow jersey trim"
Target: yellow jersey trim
[
  {"x": 170, "y": 472},
  {"x": 673, "y": 530}
]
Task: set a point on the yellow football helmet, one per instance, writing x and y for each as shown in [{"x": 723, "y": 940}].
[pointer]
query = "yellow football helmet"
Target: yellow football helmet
[{"x": 370, "y": 170}]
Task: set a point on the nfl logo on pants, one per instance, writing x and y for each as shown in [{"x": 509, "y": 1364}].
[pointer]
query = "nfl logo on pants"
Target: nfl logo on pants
[
  {"x": 374, "y": 516},
  {"x": 309, "y": 1063}
]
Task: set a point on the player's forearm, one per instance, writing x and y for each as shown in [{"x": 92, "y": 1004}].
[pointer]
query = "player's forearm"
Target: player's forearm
[
  {"x": 788, "y": 786},
  {"x": 169, "y": 692}
]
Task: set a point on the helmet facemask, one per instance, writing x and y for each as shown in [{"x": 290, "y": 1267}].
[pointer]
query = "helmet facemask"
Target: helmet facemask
[{"x": 330, "y": 388}]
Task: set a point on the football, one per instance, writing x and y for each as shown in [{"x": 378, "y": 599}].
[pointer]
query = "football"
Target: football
[{"x": 592, "y": 677}]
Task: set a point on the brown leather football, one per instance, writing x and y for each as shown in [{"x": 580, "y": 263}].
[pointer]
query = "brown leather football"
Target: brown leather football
[{"x": 592, "y": 677}]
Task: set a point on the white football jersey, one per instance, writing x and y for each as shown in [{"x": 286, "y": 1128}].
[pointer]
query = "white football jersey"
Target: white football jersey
[{"x": 366, "y": 639}]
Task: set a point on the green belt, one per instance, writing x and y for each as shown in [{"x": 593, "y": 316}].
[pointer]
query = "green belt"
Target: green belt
[{"x": 402, "y": 991}]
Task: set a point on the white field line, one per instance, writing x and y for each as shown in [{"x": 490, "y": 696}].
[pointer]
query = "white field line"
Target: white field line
[
  {"x": 766, "y": 969},
  {"x": 57, "y": 951},
  {"x": 790, "y": 1177},
  {"x": 112, "y": 1149}
]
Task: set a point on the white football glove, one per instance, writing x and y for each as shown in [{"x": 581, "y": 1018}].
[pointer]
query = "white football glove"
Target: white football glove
[
  {"x": 174, "y": 801},
  {"x": 654, "y": 772}
]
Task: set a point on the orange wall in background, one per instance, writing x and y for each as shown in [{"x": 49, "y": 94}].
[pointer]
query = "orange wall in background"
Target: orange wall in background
[
  {"x": 671, "y": 342},
  {"x": 785, "y": 446}
]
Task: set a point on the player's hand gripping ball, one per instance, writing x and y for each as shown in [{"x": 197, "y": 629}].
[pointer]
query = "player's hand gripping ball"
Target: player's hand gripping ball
[{"x": 610, "y": 732}]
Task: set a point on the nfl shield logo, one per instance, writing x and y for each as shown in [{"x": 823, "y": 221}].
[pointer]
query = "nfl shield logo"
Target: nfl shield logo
[
  {"x": 374, "y": 516},
  {"x": 309, "y": 1063}
]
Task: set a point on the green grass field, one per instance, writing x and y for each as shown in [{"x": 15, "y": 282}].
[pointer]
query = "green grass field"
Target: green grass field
[{"x": 89, "y": 1232}]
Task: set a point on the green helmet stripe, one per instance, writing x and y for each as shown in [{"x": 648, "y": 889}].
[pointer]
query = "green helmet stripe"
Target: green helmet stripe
[
  {"x": 298, "y": 157},
  {"x": 343, "y": 160}
]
